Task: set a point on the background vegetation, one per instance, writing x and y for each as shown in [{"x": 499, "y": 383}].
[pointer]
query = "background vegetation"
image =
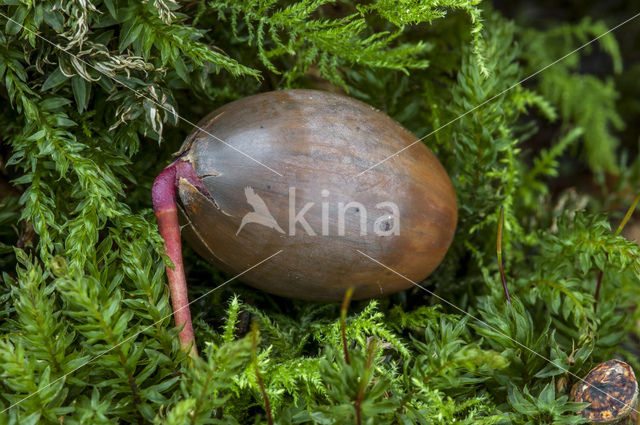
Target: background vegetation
[{"x": 88, "y": 96}]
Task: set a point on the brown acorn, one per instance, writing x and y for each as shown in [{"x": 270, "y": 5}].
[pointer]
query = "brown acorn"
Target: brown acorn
[
  {"x": 312, "y": 175},
  {"x": 612, "y": 389}
]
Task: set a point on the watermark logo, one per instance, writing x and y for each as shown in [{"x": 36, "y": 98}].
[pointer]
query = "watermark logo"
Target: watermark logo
[
  {"x": 260, "y": 214},
  {"x": 387, "y": 223}
]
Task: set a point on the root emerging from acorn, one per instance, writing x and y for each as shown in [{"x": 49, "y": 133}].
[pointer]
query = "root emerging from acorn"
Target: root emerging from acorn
[{"x": 163, "y": 194}]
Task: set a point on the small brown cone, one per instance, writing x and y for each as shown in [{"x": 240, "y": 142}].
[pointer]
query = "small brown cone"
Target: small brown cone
[{"x": 612, "y": 389}]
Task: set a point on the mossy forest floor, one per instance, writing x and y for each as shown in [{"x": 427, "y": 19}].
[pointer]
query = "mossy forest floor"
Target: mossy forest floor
[{"x": 90, "y": 93}]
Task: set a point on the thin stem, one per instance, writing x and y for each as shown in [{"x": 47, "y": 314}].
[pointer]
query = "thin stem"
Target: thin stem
[
  {"x": 343, "y": 321},
  {"x": 364, "y": 381},
  {"x": 203, "y": 394},
  {"x": 623, "y": 223},
  {"x": 628, "y": 215},
  {"x": 597, "y": 294},
  {"x": 254, "y": 340},
  {"x": 499, "y": 253}
]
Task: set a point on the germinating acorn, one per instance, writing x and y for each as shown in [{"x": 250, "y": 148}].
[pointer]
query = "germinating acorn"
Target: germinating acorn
[
  {"x": 283, "y": 171},
  {"x": 612, "y": 389}
]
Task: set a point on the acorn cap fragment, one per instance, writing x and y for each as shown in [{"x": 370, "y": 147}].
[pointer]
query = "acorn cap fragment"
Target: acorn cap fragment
[{"x": 612, "y": 389}]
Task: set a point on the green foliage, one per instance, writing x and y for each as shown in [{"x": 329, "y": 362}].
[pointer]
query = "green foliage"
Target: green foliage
[
  {"x": 89, "y": 118},
  {"x": 544, "y": 408},
  {"x": 297, "y": 40},
  {"x": 563, "y": 87},
  {"x": 208, "y": 385}
]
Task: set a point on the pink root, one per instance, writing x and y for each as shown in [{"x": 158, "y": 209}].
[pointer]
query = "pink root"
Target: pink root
[{"x": 163, "y": 194}]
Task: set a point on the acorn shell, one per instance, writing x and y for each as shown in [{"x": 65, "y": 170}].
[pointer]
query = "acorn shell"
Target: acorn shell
[
  {"x": 612, "y": 390},
  {"x": 319, "y": 142}
]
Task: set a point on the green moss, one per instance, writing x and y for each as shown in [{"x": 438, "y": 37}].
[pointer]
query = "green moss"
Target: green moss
[{"x": 83, "y": 278}]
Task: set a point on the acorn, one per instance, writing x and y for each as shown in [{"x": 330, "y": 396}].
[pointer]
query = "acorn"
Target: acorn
[
  {"x": 612, "y": 389},
  {"x": 312, "y": 177}
]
